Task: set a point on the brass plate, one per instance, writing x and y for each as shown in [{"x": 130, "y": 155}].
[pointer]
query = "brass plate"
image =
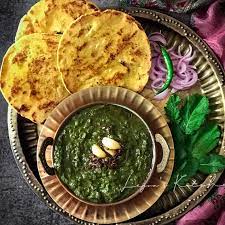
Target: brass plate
[
  {"x": 113, "y": 213},
  {"x": 23, "y": 133}
]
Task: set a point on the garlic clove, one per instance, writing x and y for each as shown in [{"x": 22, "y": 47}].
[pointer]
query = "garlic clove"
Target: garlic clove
[
  {"x": 110, "y": 143},
  {"x": 111, "y": 152},
  {"x": 97, "y": 151}
]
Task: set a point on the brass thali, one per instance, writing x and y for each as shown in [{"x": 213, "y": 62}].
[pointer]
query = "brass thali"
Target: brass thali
[{"x": 171, "y": 205}]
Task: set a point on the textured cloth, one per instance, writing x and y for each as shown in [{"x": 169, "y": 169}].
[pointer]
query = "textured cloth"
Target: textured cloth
[
  {"x": 210, "y": 212},
  {"x": 210, "y": 24}
]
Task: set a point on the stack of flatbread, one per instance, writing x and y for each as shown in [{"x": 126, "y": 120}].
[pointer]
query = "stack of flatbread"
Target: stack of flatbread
[{"x": 63, "y": 46}]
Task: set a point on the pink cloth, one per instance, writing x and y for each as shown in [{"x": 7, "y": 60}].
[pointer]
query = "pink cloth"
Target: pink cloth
[
  {"x": 210, "y": 212},
  {"x": 211, "y": 27},
  {"x": 210, "y": 24}
]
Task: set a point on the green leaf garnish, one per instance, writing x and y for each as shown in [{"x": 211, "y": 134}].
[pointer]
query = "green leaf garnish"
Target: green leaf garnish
[
  {"x": 194, "y": 138},
  {"x": 204, "y": 140},
  {"x": 172, "y": 109},
  {"x": 183, "y": 174},
  {"x": 194, "y": 112},
  {"x": 212, "y": 164},
  {"x": 179, "y": 141}
]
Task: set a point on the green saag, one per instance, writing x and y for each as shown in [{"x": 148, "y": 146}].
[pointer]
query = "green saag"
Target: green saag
[{"x": 194, "y": 138}]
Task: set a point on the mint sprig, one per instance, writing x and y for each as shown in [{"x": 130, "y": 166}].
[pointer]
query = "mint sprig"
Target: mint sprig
[
  {"x": 194, "y": 138},
  {"x": 194, "y": 112}
]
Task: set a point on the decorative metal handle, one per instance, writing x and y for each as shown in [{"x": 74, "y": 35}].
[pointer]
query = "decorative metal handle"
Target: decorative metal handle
[
  {"x": 48, "y": 141},
  {"x": 166, "y": 153}
]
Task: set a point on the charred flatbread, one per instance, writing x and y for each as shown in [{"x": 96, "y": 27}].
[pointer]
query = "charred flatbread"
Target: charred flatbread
[
  {"x": 53, "y": 16},
  {"x": 30, "y": 80},
  {"x": 104, "y": 48}
]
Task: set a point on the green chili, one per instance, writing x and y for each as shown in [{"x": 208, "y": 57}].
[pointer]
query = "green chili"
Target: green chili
[{"x": 169, "y": 65}]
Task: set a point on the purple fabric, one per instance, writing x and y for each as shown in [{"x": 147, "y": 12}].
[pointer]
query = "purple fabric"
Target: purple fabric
[
  {"x": 210, "y": 25},
  {"x": 210, "y": 212}
]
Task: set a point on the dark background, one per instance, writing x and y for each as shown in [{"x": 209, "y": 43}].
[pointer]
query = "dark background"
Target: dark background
[{"x": 18, "y": 204}]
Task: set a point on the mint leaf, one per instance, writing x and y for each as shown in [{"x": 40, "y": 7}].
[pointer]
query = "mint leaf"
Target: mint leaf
[
  {"x": 212, "y": 164},
  {"x": 205, "y": 140},
  {"x": 179, "y": 143},
  {"x": 193, "y": 138},
  {"x": 172, "y": 109},
  {"x": 194, "y": 113},
  {"x": 183, "y": 174}
]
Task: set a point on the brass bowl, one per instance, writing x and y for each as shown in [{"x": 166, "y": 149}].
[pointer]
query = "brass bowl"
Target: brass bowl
[
  {"x": 157, "y": 138},
  {"x": 135, "y": 103}
]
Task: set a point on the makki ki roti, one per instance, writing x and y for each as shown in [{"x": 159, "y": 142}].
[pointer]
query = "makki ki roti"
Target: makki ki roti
[
  {"x": 30, "y": 80},
  {"x": 53, "y": 16},
  {"x": 104, "y": 48}
]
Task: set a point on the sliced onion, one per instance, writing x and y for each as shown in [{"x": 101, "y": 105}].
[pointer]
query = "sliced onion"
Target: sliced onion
[
  {"x": 157, "y": 83},
  {"x": 181, "y": 66},
  {"x": 161, "y": 64},
  {"x": 176, "y": 56},
  {"x": 177, "y": 86},
  {"x": 189, "y": 59},
  {"x": 173, "y": 90},
  {"x": 155, "y": 48},
  {"x": 157, "y": 37},
  {"x": 159, "y": 73},
  {"x": 185, "y": 75},
  {"x": 162, "y": 95},
  {"x": 155, "y": 54}
]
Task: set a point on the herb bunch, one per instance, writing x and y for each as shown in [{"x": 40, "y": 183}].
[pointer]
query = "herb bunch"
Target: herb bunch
[{"x": 195, "y": 138}]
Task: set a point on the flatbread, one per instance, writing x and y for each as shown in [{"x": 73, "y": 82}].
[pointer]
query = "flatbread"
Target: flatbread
[
  {"x": 104, "y": 48},
  {"x": 53, "y": 16},
  {"x": 30, "y": 80}
]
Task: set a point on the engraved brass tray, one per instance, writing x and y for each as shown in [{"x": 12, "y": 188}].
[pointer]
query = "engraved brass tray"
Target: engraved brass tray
[{"x": 23, "y": 134}]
